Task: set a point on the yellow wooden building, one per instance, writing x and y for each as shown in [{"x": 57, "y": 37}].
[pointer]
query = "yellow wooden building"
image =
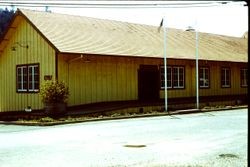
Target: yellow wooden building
[{"x": 110, "y": 61}]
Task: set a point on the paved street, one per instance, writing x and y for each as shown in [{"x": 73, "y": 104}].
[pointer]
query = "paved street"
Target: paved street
[{"x": 205, "y": 139}]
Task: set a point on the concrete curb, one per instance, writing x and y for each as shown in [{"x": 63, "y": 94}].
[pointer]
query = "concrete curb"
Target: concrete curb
[{"x": 179, "y": 112}]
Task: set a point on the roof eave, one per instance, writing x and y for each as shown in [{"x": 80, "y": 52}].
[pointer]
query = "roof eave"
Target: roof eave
[{"x": 150, "y": 57}]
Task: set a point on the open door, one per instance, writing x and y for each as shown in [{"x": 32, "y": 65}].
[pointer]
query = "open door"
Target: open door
[{"x": 148, "y": 83}]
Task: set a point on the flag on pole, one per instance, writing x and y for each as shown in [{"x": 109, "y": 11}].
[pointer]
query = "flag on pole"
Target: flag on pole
[{"x": 161, "y": 24}]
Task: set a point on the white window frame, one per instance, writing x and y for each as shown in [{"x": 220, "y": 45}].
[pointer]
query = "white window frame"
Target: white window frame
[
  {"x": 170, "y": 78},
  {"x": 179, "y": 79},
  {"x": 22, "y": 81},
  {"x": 243, "y": 78},
  {"x": 169, "y": 70},
  {"x": 224, "y": 80},
  {"x": 162, "y": 77},
  {"x": 32, "y": 80},
  {"x": 204, "y": 77},
  {"x": 27, "y": 78}
]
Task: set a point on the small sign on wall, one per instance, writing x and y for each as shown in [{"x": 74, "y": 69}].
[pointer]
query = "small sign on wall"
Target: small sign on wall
[{"x": 47, "y": 77}]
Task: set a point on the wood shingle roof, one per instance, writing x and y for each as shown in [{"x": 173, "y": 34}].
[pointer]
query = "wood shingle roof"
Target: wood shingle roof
[{"x": 78, "y": 34}]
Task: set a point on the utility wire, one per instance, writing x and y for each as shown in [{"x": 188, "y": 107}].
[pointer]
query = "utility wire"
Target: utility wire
[
  {"x": 90, "y": 4},
  {"x": 110, "y": 6}
]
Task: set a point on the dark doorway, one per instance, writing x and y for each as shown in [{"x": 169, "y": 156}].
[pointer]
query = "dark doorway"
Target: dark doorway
[{"x": 148, "y": 83}]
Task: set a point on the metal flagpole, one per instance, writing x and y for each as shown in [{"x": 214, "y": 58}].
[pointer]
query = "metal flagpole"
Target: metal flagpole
[
  {"x": 163, "y": 23},
  {"x": 165, "y": 65},
  {"x": 197, "y": 67}
]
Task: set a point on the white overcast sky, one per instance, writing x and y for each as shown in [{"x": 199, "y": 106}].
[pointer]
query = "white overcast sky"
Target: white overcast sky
[{"x": 228, "y": 19}]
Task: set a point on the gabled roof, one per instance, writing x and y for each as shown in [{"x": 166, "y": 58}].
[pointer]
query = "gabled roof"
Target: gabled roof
[{"x": 78, "y": 34}]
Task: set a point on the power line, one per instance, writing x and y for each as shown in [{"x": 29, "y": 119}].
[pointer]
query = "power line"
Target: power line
[{"x": 111, "y": 4}]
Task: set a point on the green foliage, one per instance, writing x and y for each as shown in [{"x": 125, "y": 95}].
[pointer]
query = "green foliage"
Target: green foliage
[
  {"x": 5, "y": 17},
  {"x": 54, "y": 92},
  {"x": 46, "y": 119}
]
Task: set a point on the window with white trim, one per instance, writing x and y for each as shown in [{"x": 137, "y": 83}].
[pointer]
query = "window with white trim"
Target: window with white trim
[
  {"x": 243, "y": 77},
  {"x": 169, "y": 77},
  {"x": 178, "y": 77},
  {"x": 27, "y": 78},
  {"x": 204, "y": 77},
  {"x": 225, "y": 78},
  {"x": 22, "y": 85},
  {"x": 175, "y": 77}
]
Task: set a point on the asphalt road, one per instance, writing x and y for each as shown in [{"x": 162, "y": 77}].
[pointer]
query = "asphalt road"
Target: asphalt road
[{"x": 205, "y": 139}]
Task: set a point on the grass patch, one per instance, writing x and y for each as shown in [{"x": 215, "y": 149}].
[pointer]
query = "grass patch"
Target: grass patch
[
  {"x": 135, "y": 146},
  {"x": 85, "y": 117},
  {"x": 228, "y": 156}
]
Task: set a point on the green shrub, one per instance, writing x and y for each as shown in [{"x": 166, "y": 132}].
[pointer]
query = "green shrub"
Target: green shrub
[
  {"x": 46, "y": 119},
  {"x": 54, "y": 92}
]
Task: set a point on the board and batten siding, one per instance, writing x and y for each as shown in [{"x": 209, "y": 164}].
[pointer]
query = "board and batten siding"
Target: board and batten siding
[
  {"x": 114, "y": 78},
  {"x": 104, "y": 78},
  {"x": 215, "y": 78},
  {"x": 38, "y": 51},
  {"x": 109, "y": 78}
]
